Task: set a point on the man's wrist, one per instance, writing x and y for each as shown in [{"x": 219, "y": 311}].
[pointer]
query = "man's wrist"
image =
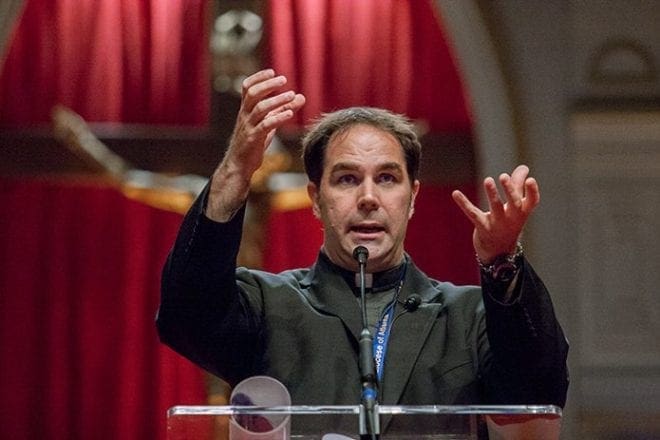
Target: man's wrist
[
  {"x": 504, "y": 267},
  {"x": 228, "y": 192}
]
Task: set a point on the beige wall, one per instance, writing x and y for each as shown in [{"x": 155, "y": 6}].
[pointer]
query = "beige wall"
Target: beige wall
[{"x": 574, "y": 87}]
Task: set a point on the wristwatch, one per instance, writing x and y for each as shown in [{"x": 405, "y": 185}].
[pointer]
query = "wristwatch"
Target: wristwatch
[{"x": 505, "y": 267}]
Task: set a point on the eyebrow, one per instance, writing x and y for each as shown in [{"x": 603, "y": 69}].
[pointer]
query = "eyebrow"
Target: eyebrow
[{"x": 348, "y": 166}]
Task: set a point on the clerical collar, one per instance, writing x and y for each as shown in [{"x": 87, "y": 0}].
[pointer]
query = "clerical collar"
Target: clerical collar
[{"x": 376, "y": 282}]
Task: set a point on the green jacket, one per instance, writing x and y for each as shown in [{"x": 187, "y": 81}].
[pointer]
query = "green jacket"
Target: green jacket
[{"x": 461, "y": 346}]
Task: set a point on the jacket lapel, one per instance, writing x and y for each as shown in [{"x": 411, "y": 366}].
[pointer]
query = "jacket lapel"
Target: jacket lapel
[
  {"x": 409, "y": 333},
  {"x": 328, "y": 292}
]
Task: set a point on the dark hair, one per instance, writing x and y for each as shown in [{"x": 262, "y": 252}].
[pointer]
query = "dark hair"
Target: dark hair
[{"x": 320, "y": 134}]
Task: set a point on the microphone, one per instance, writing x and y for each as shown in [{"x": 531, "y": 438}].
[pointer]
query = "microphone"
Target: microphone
[
  {"x": 361, "y": 254},
  {"x": 369, "y": 425},
  {"x": 412, "y": 303}
]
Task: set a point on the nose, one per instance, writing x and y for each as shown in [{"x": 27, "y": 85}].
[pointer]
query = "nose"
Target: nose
[{"x": 368, "y": 199}]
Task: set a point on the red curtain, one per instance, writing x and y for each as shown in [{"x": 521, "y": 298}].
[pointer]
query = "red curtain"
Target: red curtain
[
  {"x": 140, "y": 61},
  {"x": 294, "y": 237},
  {"x": 439, "y": 236},
  {"x": 79, "y": 286},
  {"x": 383, "y": 53}
]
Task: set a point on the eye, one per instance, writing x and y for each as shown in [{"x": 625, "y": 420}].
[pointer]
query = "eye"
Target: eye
[
  {"x": 387, "y": 178},
  {"x": 347, "y": 179}
]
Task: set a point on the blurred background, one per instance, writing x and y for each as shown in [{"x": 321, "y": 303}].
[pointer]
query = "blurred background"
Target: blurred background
[{"x": 114, "y": 113}]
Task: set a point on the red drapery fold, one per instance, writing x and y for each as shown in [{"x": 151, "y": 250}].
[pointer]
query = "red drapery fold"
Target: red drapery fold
[
  {"x": 140, "y": 61},
  {"x": 439, "y": 235},
  {"x": 294, "y": 237},
  {"x": 383, "y": 53},
  {"x": 79, "y": 286}
]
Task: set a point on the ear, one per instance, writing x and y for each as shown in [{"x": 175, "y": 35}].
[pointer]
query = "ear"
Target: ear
[
  {"x": 415, "y": 191},
  {"x": 313, "y": 193}
]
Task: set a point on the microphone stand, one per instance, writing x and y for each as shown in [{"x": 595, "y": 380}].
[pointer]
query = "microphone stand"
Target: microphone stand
[{"x": 369, "y": 419}]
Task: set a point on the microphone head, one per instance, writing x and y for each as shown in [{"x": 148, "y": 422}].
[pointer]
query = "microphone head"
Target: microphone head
[{"x": 361, "y": 253}]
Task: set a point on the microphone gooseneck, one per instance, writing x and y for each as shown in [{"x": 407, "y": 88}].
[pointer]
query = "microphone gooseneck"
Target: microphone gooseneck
[
  {"x": 361, "y": 254},
  {"x": 369, "y": 426}
]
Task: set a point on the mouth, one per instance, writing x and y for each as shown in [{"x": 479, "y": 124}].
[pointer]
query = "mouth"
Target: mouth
[{"x": 367, "y": 231}]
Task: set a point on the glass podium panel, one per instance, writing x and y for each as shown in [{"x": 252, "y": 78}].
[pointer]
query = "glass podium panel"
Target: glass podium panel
[{"x": 424, "y": 422}]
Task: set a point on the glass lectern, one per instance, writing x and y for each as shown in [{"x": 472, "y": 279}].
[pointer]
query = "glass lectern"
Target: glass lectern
[{"x": 396, "y": 422}]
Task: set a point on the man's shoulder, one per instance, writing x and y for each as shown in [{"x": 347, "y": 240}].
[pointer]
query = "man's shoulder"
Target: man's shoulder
[
  {"x": 446, "y": 293},
  {"x": 454, "y": 293},
  {"x": 287, "y": 277}
]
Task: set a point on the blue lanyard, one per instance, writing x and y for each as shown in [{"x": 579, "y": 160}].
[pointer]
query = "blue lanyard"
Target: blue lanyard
[
  {"x": 382, "y": 336},
  {"x": 383, "y": 330}
]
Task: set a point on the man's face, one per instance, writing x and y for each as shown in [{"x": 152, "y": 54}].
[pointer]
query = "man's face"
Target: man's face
[{"x": 365, "y": 197}]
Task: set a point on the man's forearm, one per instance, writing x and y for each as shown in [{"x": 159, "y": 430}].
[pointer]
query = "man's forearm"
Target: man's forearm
[
  {"x": 228, "y": 192},
  {"x": 528, "y": 347}
]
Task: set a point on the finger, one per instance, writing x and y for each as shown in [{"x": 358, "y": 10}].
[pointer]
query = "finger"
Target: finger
[
  {"x": 275, "y": 120},
  {"x": 281, "y": 114},
  {"x": 269, "y": 106},
  {"x": 297, "y": 103},
  {"x": 474, "y": 214},
  {"x": 260, "y": 90},
  {"x": 258, "y": 77},
  {"x": 513, "y": 194},
  {"x": 494, "y": 201},
  {"x": 519, "y": 175},
  {"x": 285, "y": 103},
  {"x": 269, "y": 139},
  {"x": 517, "y": 182},
  {"x": 532, "y": 194}
]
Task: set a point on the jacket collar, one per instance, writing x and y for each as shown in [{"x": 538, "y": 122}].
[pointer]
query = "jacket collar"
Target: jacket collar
[{"x": 328, "y": 289}]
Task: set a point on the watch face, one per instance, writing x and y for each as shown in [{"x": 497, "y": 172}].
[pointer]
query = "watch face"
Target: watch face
[{"x": 505, "y": 271}]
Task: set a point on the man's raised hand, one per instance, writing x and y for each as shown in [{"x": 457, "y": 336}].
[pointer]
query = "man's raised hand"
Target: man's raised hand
[
  {"x": 266, "y": 105},
  {"x": 497, "y": 230}
]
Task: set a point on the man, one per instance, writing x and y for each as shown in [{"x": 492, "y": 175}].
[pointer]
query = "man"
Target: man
[{"x": 452, "y": 345}]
